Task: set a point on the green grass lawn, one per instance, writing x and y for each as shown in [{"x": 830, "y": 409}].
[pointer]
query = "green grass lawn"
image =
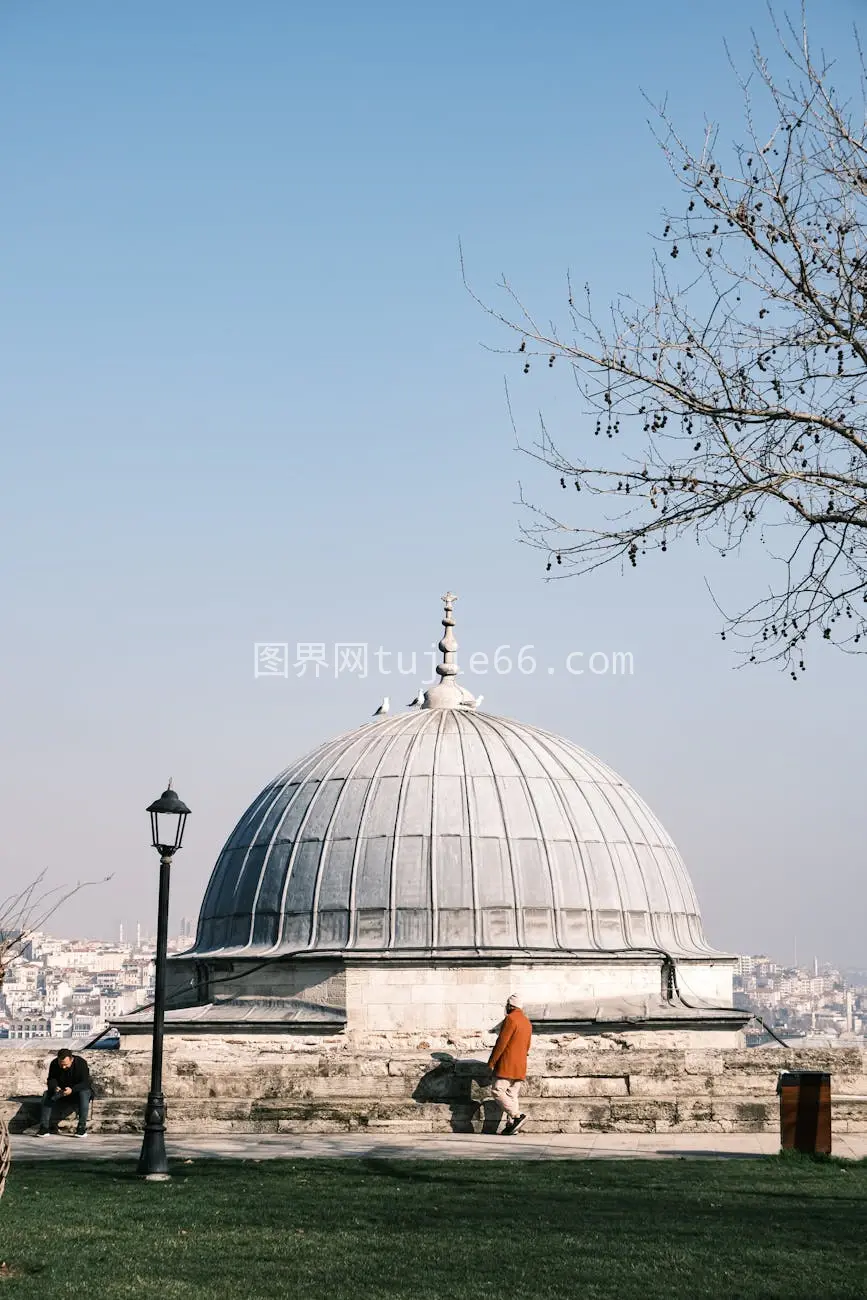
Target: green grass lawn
[{"x": 434, "y": 1230}]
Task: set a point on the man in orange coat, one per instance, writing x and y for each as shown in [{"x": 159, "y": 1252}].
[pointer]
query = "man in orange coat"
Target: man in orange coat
[{"x": 509, "y": 1063}]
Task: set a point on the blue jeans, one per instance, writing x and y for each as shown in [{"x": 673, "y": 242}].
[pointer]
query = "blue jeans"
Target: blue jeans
[{"x": 79, "y": 1099}]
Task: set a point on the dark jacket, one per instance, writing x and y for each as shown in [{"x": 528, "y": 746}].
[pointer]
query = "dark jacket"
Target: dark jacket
[
  {"x": 509, "y": 1058},
  {"x": 76, "y": 1077}
]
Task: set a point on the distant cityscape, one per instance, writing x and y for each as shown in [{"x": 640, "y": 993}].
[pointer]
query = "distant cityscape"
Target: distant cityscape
[
  {"x": 75, "y": 988},
  {"x": 818, "y": 1002}
]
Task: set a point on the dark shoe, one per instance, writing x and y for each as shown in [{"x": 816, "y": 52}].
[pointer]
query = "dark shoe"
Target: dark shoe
[
  {"x": 42, "y": 1132},
  {"x": 81, "y": 1132},
  {"x": 517, "y": 1125},
  {"x": 508, "y": 1128}
]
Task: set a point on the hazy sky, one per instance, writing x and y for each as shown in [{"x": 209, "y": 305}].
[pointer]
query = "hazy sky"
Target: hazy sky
[{"x": 245, "y": 399}]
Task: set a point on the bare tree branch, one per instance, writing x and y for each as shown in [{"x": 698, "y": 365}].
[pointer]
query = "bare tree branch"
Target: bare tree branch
[
  {"x": 732, "y": 407},
  {"x": 22, "y": 914}
]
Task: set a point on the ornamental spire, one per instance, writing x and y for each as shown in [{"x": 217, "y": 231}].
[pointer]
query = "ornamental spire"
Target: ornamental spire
[
  {"x": 447, "y": 694},
  {"x": 448, "y": 645}
]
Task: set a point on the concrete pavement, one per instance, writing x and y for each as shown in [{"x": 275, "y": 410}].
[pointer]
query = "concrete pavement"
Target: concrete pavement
[{"x": 434, "y": 1146}]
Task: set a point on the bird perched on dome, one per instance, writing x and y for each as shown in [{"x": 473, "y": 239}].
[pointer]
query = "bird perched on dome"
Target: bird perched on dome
[
  {"x": 417, "y": 702},
  {"x": 383, "y": 709}
]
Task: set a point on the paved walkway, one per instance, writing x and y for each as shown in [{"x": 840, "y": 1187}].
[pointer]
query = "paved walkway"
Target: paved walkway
[{"x": 456, "y": 1146}]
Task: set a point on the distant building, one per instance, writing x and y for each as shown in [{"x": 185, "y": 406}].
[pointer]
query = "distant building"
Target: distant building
[
  {"x": 118, "y": 1002},
  {"x": 82, "y": 994},
  {"x": 85, "y": 1025},
  {"x": 56, "y": 995},
  {"x": 27, "y": 1028}
]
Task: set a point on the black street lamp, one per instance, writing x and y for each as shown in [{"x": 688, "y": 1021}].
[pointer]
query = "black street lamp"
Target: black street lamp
[{"x": 168, "y": 818}]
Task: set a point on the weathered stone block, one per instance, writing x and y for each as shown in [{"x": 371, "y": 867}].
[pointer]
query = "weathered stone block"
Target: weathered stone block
[
  {"x": 573, "y": 1111},
  {"x": 570, "y": 1063},
  {"x": 476, "y": 1069},
  {"x": 748, "y": 1115},
  {"x": 661, "y": 1064},
  {"x": 702, "y": 1062},
  {"x": 312, "y": 1126},
  {"x": 644, "y": 1085},
  {"x": 359, "y": 1086},
  {"x": 757, "y": 1060},
  {"x": 571, "y": 1125},
  {"x": 849, "y": 1085},
  {"x": 442, "y": 1085},
  {"x": 642, "y": 1111},
  {"x": 848, "y": 1109},
  {"x": 402, "y": 1125},
  {"x": 468, "y": 1017},
  {"x": 695, "y": 1111},
  {"x": 330, "y": 1067},
  {"x": 698, "y": 1126},
  {"x": 731, "y": 1084},
  {"x": 412, "y": 1067},
  {"x": 596, "y": 1086}
]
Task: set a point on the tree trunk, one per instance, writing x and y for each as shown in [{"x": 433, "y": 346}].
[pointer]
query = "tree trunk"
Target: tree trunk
[{"x": 5, "y": 1154}]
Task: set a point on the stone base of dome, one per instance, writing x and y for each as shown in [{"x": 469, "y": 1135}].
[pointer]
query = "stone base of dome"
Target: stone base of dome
[{"x": 455, "y": 1000}]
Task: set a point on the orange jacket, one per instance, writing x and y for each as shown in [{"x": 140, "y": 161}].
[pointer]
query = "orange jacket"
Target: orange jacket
[{"x": 509, "y": 1057}]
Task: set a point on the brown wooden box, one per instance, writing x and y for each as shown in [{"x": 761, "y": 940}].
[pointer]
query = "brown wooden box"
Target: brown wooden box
[{"x": 805, "y": 1111}]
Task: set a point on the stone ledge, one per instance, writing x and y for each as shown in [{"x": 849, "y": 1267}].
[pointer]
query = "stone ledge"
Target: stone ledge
[
  {"x": 256, "y": 1086},
  {"x": 564, "y": 1115}
]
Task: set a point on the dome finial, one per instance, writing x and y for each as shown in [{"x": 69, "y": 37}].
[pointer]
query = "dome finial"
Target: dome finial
[
  {"x": 448, "y": 645},
  {"x": 447, "y": 694}
]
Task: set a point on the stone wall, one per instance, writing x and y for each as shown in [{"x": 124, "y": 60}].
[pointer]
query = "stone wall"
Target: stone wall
[
  {"x": 191, "y": 982},
  {"x": 322, "y": 1084},
  {"x": 404, "y": 996},
  {"x": 395, "y": 997}
]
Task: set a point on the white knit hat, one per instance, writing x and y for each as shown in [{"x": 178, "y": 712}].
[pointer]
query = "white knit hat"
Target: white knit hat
[{"x": 514, "y": 1000}]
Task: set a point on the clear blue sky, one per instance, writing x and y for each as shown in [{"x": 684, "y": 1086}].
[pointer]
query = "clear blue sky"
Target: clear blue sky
[{"x": 244, "y": 399}]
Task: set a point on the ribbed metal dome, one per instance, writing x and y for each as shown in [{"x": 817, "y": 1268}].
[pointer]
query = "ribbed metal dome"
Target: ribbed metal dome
[{"x": 449, "y": 830}]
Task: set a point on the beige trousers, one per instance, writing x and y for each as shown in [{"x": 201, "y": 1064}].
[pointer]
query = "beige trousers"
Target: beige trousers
[{"x": 505, "y": 1094}]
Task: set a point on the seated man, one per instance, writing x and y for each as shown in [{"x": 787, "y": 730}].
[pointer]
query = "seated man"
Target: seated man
[{"x": 68, "y": 1077}]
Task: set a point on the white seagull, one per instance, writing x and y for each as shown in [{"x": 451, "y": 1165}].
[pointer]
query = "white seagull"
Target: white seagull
[
  {"x": 383, "y": 709},
  {"x": 479, "y": 699},
  {"x": 419, "y": 700}
]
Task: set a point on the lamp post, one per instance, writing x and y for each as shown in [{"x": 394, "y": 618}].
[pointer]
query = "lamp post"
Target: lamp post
[{"x": 168, "y": 818}]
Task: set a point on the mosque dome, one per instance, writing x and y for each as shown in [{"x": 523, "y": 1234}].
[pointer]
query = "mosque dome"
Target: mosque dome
[{"x": 449, "y": 831}]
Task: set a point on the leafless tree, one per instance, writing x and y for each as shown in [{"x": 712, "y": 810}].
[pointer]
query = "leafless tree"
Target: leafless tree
[
  {"x": 731, "y": 409},
  {"x": 22, "y": 914}
]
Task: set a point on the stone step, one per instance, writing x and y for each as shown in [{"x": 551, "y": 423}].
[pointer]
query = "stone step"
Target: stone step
[{"x": 346, "y": 1114}]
